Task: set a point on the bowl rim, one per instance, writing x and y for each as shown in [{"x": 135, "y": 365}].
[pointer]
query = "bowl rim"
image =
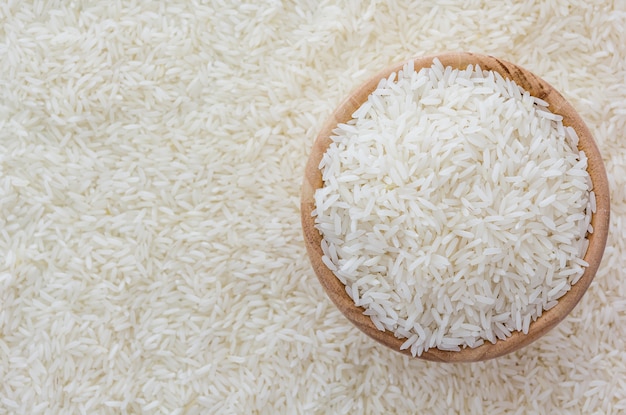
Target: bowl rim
[{"x": 539, "y": 88}]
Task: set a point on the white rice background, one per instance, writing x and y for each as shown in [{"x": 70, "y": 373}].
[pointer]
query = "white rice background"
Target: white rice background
[{"x": 151, "y": 157}]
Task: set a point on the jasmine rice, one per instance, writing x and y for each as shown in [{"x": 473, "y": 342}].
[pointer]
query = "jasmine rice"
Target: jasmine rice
[{"x": 455, "y": 207}]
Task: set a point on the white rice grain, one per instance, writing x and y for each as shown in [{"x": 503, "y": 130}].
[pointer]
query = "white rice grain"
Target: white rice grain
[{"x": 413, "y": 245}]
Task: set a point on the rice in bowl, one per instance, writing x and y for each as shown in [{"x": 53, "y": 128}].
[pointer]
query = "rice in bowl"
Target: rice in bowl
[{"x": 454, "y": 207}]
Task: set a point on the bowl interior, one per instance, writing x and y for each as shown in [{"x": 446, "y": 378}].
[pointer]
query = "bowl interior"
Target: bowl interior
[{"x": 600, "y": 220}]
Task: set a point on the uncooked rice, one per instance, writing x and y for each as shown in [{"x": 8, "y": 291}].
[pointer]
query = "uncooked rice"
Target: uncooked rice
[
  {"x": 151, "y": 158},
  {"x": 454, "y": 207}
]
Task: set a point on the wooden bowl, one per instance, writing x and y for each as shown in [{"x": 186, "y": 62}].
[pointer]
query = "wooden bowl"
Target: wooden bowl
[{"x": 600, "y": 220}]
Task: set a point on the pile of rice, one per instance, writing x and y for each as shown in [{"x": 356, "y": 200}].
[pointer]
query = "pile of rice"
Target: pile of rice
[
  {"x": 454, "y": 207},
  {"x": 151, "y": 252}
]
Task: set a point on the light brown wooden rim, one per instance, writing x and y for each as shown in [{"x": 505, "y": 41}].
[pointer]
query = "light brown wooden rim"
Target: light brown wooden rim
[{"x": 600, "y": 220}]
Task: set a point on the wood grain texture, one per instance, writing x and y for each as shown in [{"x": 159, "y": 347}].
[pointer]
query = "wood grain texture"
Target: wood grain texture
[{"x": 600, "y": 220}]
